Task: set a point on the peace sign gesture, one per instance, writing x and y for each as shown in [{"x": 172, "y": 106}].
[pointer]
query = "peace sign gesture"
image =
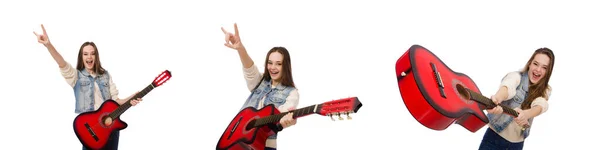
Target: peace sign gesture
[
  {"x": 233, "y": 40},
  {"x": 42, "y": 38}
]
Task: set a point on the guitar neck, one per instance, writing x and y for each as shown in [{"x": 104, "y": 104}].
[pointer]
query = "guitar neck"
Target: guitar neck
[
  {"x": 122, "y": 108},
  {"x": 489, "y": 104},
  {"x": 297, "y": 114}
]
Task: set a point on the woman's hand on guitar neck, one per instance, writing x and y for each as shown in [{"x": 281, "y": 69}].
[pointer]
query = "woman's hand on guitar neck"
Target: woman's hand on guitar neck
[
  {"x": 496, "y": 110},
  {"x": 136, "y": 101},
  {"x": 521, "y": 120},
  {"x": 288, "y": 120},
  {"x": 133, "y": 102}
]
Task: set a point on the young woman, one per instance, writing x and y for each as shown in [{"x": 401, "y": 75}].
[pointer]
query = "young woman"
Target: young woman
[
  {"x": 527, "y": 91},
  {"x": 274, "y": 86},
  {"x": 91, "y": 83}
]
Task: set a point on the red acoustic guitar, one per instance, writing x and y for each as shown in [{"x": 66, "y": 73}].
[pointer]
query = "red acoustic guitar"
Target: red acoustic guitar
[
  {"x": 89, "y": 126},
  {"x": 250, "y": 128},
  {"x": 429, "y": 90}
]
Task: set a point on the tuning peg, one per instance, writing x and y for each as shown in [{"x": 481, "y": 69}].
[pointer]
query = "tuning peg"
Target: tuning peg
[
  {"x": 331, "y": 117},
  {"x": 334, "y": 114},
  {"x": 340, "y": 116},
  {"x": 348, "y": 116}
]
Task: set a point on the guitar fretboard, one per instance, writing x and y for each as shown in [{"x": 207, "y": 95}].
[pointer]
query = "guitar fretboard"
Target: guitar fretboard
[
  {"x": 489, "y": 103},
  {"x": 297, "y": 113},
  {"x": 121, "y": 109}
]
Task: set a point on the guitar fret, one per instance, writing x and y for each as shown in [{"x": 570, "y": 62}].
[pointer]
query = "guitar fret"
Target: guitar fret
[
  {"x": 121, "y": 109},
  {"x": 306, "y": 110},
  {"x": 275, "y": 118},
  {"x": 488, "y": 102}
]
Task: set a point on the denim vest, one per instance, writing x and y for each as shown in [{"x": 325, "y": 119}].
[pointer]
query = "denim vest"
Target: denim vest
[
  {"x": 276, "y": 96},
  {"x": 501, "y": 121},
  {"x": 84, "y": 90}
]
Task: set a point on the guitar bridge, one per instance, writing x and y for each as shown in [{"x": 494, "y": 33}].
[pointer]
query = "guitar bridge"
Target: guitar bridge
[
  {"x": 438, "y": 79},
  {"x": 234, "y": 127},
  {"x": 91, "y": 132}
]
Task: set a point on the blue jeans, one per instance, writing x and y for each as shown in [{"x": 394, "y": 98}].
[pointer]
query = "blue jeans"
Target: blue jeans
[
  {"x": 112, "y": 143},
  {"x": 492, "y": 141}
]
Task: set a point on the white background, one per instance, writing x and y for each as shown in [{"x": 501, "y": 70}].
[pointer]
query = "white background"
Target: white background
[{"x": 339, "y": 49}]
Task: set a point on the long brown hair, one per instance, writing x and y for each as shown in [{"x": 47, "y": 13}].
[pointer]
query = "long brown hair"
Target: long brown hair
[
  {"x": 286, "y": 71},
  {"x": 538, "y": 89},
  {"x": 97, "y": 66}
]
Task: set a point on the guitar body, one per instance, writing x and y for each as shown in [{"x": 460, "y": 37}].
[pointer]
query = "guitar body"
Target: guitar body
[
  {"x": 237, "y": 137},
  {"x": 94, "y": 121},
  {"x": 428, "y": 89}
]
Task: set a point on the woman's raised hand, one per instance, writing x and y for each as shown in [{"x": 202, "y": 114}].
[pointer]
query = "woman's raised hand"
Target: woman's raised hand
[
  {"x": 233, "y": 40},
  {"x": 42, "y": 38}
]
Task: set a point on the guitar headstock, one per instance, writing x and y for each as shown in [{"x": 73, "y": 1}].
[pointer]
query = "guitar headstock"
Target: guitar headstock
[
  {"x": 162, "y": 78},
  {"x": 344, "y": 106}
]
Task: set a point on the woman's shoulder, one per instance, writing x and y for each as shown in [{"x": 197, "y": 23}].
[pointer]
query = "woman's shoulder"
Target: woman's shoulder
[
  {"x": 291, "y": 88},
  {"x": 514, "y": 73},
  {"x": 105, "y": 73}
]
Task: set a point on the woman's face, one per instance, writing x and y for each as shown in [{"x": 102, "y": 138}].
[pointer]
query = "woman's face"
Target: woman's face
[
  {"x": 88, "y": 57},
  {"x": 274, "y": 65},
  {"x": 538, "y": 68}
]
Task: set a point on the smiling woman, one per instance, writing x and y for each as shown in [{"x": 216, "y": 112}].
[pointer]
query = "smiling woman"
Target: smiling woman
[
  {"x": 527, "y": 91},
  {"x": 274, "y": 86},
  {"x": 91, "y": 83}
]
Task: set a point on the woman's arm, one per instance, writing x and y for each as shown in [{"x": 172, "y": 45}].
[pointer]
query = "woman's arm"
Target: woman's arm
[
  {"x": 45, "y": 40},
  {"x": 291, "y": 103},
  {"x": 247, "y": 62},
  {"x": 70, "y": 74},
  {"x": 539, "y": 105},
  {"x": 67, "y": 71},
  {"x": 508, "y": 86},
  {"x": 251, "y": 72},
  {"x": 506, "y": 91},
  {"x": 57, "y": 57},
  {"x": 252, "y": 77},
  {"x": 114, "y": 91}
]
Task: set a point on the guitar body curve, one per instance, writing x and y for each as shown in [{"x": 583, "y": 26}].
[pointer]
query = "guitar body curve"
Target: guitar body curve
[
  {"x": 428, "y": 89},
  {"x": 237, "y": 137},
  {"x": 90, "y": 129}
]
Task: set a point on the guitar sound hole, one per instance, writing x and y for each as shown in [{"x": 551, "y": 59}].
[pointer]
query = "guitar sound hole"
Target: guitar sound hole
[
  {"x": 250, "y": 125},
  {"x": 462, "y": 92},
  {"x": 104, "y": 118}
]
